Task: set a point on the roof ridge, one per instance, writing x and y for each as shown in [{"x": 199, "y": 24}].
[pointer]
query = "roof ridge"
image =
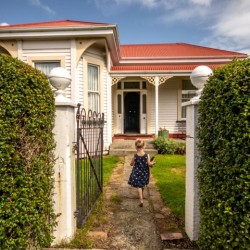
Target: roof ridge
[
  {"x": 52, "y": 22},
  {"x": 147, "y": 44},
  {"x": 212, "y": 48}
]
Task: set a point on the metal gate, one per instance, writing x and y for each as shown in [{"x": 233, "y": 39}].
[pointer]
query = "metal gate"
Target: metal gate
[{"x": 89, "y": 165}]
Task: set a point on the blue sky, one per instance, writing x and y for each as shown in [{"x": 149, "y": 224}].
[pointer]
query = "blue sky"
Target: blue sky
[{"x": 223, "y": 24}]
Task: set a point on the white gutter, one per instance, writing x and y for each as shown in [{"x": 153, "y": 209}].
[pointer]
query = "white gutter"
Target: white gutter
[
  {"x": 150, "y": 73},
  {"x": 51, "y": 34}
]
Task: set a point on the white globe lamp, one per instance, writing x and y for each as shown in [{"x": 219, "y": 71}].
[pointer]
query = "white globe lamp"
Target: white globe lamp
[
  {"x": 199, "y": 76},
  {"x": 60, "y": 79}
]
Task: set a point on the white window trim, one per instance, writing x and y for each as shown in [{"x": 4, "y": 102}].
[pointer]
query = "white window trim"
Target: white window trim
[
  {"x": 92, "y": 61},
  {"x": 180, "y": 92},
  {"x": 34, "y": 59}
]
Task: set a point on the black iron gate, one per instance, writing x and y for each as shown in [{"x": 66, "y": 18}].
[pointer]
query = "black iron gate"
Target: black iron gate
[{"x": 89, "y": 165}]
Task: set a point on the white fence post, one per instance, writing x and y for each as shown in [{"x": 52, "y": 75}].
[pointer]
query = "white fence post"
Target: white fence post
[
  {"x": 199, "y": 78},
  {"x": 192, "y": 215},
  {"x": 64, "y": 169},
  {"x": 64, "y": 172}
]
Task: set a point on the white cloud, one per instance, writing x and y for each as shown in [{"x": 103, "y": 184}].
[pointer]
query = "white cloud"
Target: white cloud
[
  {"x": 149, "y": 3},
  {"x": 185, "y": 10},
  {"x": 230, "y": 29},
  {"x": 43, "y": 6},
  {"x": 226, "y": 22},
  {"x": 202, "y": 2},
  {"x": 4, "y": 24},
  {"x": 116, "y": 4}
]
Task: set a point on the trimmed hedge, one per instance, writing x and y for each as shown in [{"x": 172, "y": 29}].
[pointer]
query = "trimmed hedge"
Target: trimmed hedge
[
  {"x": 224, "y": 171},
  {"x": 26, "y": 156}
]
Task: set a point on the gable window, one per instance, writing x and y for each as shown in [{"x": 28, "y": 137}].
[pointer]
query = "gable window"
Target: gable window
[
  {"x": 93, "y": 88},
  {"x": 46, "y": 67},
  {"x": 188, "y": 92}
]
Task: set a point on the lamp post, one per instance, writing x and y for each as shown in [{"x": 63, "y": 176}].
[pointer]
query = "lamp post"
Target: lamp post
[{"x": 60, "y": 79}]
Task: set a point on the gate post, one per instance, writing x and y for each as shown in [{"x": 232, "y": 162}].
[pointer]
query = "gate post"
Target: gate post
[
  {"x": 192, "y": 214},
  {"x": 198, "y": 77},
  {"x": 64, "y": 196}
]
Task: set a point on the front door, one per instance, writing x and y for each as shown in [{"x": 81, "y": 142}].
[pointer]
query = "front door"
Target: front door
[{"x": 131, "y": 112}]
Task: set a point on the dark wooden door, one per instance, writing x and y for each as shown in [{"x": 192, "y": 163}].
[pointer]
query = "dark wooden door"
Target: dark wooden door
[{"x": 131, "y": 112}]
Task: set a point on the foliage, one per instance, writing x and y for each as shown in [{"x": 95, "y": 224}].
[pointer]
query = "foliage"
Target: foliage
[
  {"x": 26, "y": 156},
  {"x": 224, "y": 171},
  {"x": 164, "y": 145},
  {"x": 169, "y": 173}
]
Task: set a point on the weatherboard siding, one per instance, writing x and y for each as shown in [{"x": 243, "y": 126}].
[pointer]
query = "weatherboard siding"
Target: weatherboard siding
[
  {"x": 168, "y": 99},
  {"x": 80, "y": 82},
  {"x": 47, "y": 51},
  {"x": 94, "y": 57},
  {"x": 104, "y": 76}
]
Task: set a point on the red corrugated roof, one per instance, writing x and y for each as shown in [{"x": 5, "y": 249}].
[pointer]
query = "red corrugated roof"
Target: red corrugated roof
[
  {"x": 173, "y": 50},
  {"x": 184, "y": 67},
  {"x": 149, "y": 57},
  {"x": 60, "y": 23}
]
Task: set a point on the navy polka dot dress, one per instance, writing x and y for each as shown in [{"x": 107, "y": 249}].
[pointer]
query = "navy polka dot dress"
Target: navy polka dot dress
[{"x": 139, "y": 176}]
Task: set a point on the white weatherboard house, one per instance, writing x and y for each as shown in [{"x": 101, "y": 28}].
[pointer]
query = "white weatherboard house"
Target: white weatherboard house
[{"x": 138, "y": 87}]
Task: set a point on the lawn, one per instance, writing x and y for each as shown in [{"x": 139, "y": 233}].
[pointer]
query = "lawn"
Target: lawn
[
  {"x": 169, "y": 174},
  {"x": 109, "y": 163}
]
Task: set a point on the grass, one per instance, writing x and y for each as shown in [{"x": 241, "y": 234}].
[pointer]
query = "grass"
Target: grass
[
  {"x": 109, "y": 163},
  {"x": 169, "y": 174},
  {"x": 98, "y": 216}
]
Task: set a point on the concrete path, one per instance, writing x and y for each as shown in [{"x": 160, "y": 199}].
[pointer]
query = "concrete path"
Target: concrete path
[
  {"x": 138, "y": 227},
  {"x": 130, "y": 227}
]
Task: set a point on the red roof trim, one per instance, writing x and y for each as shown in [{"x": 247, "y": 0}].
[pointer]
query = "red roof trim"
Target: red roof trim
[
  {"x": 143, "y": 57},
  {"x": 137, "y": 68},
  {"x": 60, "y": 23}
]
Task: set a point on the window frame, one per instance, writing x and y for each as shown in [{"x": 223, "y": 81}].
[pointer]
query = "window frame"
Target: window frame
[
  {"x": 95, "y": 93},
  {"x": 31, "y": 60},
  {"x": 190, "y": 91},
  {"x": 46, "y": 62}
]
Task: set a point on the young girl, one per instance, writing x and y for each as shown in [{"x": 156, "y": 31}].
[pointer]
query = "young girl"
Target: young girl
[{"x": 139, "y": 176}]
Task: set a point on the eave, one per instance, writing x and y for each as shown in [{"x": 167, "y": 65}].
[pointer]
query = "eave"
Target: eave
[{"x": 108, "y": 32}]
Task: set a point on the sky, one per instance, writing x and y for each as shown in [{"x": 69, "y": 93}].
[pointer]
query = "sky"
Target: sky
[{"x": 222, "y": 24}]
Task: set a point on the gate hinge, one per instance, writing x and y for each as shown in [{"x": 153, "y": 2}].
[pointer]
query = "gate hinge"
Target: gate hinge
[
  {"x": 76, "y": 213},
  {"x": 74, "y": 148}
]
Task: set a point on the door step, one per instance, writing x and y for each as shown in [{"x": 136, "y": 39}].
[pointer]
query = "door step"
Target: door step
[{"x": 122, "y": 147}]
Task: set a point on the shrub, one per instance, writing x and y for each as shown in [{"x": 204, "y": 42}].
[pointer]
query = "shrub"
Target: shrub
[
  {"x": 168, "y": 146},
  {"x": 181, "y": 147},
  {"x": 26, "y": 156},
  {"x": 224, "y": 171}
]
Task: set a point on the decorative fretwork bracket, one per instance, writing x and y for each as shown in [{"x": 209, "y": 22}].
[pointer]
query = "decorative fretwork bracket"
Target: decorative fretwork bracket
[
  {"x": 116, "y": 79},
  {"x": 163, "y": 79},
  {"x": 151, "y": 79}
]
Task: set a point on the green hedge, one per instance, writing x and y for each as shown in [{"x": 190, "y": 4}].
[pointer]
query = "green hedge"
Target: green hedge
[
  {"x": 26, "y": 156},
  {"x": 224, "y": 171}
]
